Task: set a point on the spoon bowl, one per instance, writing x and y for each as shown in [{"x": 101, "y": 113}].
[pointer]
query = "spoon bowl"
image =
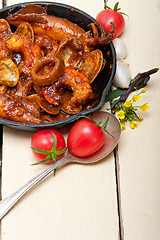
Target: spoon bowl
[{"x": 111, "y": 140}]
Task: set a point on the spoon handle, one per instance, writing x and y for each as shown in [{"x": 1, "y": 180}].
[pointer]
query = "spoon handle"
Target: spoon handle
[{"x": 7, "y": 203}]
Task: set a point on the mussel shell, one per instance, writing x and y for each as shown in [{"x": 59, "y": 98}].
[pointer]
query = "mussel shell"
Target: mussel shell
[
  {"x": 25, "y": 29},
  {"x": 9, "y": 74},
  {"x": 5, "y": 30},
  {"x": 70, "y": 50},
  {"x": 92, "y": 64},
  {"x": 30, "y": 103},
  {"x": 47, "y": 107},
  {"x": 101, "y": 84}
]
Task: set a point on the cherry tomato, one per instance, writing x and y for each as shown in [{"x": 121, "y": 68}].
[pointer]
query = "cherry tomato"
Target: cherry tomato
[
  {"x": 85, "y": 138},
  {"x": 106, "y": 16},
  {"x": 44, "y": 140}
]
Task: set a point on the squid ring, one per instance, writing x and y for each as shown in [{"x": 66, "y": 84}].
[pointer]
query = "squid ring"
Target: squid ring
[{"x": 50, "y": 77}]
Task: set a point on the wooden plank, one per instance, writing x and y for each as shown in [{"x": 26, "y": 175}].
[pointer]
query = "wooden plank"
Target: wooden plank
[
  {"x": 139, "y": 149},
  {"x": 2, "y": 4},
  {"x": 89, "y": 7},
  {"x": 80, "y": 202}
]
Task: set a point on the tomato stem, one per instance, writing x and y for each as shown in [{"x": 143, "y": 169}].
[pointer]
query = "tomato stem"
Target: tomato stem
[
  {"x": 54, "y": 143},
  {"x": 52, "y": 154},
  {"x": 98, "y": 124},
  {"x": 43, "y": 161},
  {"x": 54, "y": 158},
  {"x": 115, "y": 8},
  {"x": 104, "y": 125}
]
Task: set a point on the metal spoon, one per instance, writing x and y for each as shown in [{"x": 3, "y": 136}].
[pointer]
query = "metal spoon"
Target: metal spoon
[{"x": 111, "y": 141}]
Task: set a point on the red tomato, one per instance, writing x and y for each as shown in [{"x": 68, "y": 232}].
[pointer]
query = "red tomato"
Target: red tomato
[
  {"x": 44, "y": 140},
  {"x": 85, "y": 138},
  {"x": 106, "y": 16}
]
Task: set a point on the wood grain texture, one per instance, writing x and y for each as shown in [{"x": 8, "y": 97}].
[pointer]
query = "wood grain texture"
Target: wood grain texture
[
  {"x": 80, "y": 202},
  {"x": 139, "y": 149}
]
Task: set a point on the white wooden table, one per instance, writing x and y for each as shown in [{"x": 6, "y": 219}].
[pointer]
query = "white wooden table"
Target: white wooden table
[{"x": 116, "y": 199}]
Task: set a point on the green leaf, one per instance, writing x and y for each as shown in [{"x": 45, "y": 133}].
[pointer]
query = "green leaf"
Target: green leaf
[
  {"x": 123, "y": 13},
  {"x": 54, "y": 142},
  {"x": 55, "y": 171},
  {"x": 105, "y": 124},
  {"x": 114, "y": 94},
  {"x": 141, "y": 85},
  {"x": 43, "y": 161},
  {"x": 105, "y": 5},
  {"x": 61, "y": 151},
  {"x": 54, "y": 158},
  {"x": 136, "y": 116},
  {"x": 99, "y": 123},
  {"x": 108, "y": 7},
  {"x": 116, "y": 7},
  {"x": 90, "y": 118},
  {"x": 41, "y": 151}
]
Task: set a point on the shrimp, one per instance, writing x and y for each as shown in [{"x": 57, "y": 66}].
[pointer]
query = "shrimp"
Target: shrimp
[
  {"x": 78, "y": 83},
  {"x": 32, "y": 53},
  {"x": 5, "y": 52}
]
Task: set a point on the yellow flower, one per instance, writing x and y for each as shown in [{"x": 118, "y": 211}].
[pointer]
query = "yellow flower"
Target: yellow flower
[
  {"x": 123, "y": 126},
  {"x": 133, "y": 125},
  {"x": 140, "y": 119},
  {"x": 128, "y": 103},
  {"x": 143, "y": 90},
  {"x": 144, "y": 107},
  {"x": 136, "y": 98},
  {"x": 121, "y": 114}
]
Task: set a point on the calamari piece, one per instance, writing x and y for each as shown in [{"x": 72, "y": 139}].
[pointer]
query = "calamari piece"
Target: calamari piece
[
  {"x": 49, "y": 108},
  {"x": 56, "y": 28},
  {"x": 28, "y": 13},
  {"x": 60, "y": 28},
  {"x": 11, "y": 110},
  {"x": 71, "y": 51},
  {"x": 32, "y": 53},
  {"x": 9, "y": 73},
  {"x": 78, "y": 83},
  {"x": 100, "y": 38},
  {"x": 103, "y": 39},
  {"x": 44, "y": 79},
  {"x": 25, "y": 30},
  {"x": 5, "y": 30},
  {"x": 92, "y": 65},
  {"x": 49, "y": 46}
]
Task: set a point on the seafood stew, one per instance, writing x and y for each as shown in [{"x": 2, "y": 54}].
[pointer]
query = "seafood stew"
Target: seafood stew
[{"x": 55, "y": 77}]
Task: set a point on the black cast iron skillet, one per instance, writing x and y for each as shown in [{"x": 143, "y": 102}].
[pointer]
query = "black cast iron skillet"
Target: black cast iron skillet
[{"x": 100, "y": 85}]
